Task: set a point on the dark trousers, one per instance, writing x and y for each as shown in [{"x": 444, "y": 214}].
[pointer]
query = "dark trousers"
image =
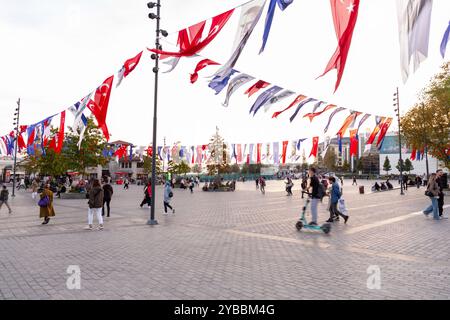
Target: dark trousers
[
  {"x": 147, "y": 200},
  {"x": 289, "y": 190},
  {"x": 108, "y": 207},
  {"x": 334, "y": 212},
  {"x": 441, "y": 204},
  {"x": 167, "y": 205}
]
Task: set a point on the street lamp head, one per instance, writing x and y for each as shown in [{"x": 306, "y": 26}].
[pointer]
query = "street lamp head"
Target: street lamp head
[
  {"x": 164, "y": 33},
  {"x": 154, "y": 56},
  {"x": 151, "y": 5},
  {"x": 153, "y": 16}
]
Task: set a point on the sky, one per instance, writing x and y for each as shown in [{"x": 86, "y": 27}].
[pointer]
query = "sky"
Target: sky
[{"x": 54, "y": 53}]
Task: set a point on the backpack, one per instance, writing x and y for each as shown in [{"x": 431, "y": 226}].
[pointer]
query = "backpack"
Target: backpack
[{"x": 321, "y": 191}]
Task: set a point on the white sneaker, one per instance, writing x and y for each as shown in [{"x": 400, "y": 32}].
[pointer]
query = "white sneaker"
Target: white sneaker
[
  {"x": 89, "y": 228},
  {"x": 100, "y": 227},
  {"x": 165, "y": 214}
]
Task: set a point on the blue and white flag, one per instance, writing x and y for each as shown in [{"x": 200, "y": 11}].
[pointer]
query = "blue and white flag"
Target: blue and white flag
[
  {"x": 219, "y": 83},
  {"x": 282, "y": 4},
  {"x": 235, "y": 84},
  {"x": 300, "y": 106},
  {"x": 279, "y": 97},
  {"x": 332, "y": 116},
  {"x": 251, "y": 13},
  {"x": 264, "y": 98}
]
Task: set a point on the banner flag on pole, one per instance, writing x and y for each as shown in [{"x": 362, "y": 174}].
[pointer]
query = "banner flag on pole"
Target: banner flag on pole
[
  {"x": 414, "y": 20},
  {"x": 315, "y": 147},
  {"x": 345, "y": 14}
]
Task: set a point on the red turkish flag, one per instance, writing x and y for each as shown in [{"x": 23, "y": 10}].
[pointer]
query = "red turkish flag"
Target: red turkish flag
[
  {"x": 315, "y": 147},
  {"x": 311, "y": 116},
  {"x": 258, "y": 154},
  {"x": 256, "y": 87},
  {"x": 200, "y": 66},
  {"x": 345, "y": 14},
  {"x": 413, "y": 154},
  {"x": 131, "y": 64},
  {"x": 296, "y": 101},
  {"x": 189, "y": 45},
  {"x": 354, "y": 142},
  {"x": 99, "y": 106},
  {"x": 384, "y": 128},
  {"x": 283, "y": 155},
  {"x": 375, "y": 131}
]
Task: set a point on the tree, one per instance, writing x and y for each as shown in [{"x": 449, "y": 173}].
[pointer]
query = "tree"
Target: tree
[
  {"x": 330, "y": 159},
  {"x": 408, "y": 166},
  {"x": 360, "y": 165},
  {"x": 401, "y": 168},
  {"x": 427, "y": 124},
  {"x": 218, "y": 161},
  {"x": 346, "y": 166},
  {"x": 197, "y": 169},
  {"x": 387, "y": 165},
  {"x": 72, "y": 157},
  {"x": 148, "y": 165},
  {"x": 235, "y": 168},
  {"x": 90, "y": 153},
  {"x": 183, "y": 168}
]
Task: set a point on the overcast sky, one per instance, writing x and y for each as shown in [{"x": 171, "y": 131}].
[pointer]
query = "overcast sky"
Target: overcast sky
[{"x": 55, "y": 52}]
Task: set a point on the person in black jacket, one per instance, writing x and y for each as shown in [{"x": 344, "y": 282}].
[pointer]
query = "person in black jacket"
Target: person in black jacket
[
  {"x": 107, "y": 196},
  {"x": 4, "y": 195},
  {"x": 440, "y": 182}
]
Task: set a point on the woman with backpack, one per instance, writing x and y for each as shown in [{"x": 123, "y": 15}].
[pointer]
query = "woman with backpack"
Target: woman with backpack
[
  {"x": 168, "y": 195},
  {"x": 45, "y": 203}
]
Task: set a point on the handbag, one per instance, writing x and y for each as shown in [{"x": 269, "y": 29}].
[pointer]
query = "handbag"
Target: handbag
[
  {"x": 44, "y": 202},
  {"x": 429, "y": 194},
  {"x": 170, "y": 194}
]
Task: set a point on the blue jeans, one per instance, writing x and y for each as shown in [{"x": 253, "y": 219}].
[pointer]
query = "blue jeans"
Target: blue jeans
[
  {"x": 433, "y": 208},
  {"x": 314, "y": 204}
]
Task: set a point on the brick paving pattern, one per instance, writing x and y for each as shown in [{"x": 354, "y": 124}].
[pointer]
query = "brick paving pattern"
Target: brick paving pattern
[{"x": 240, "y": 245}]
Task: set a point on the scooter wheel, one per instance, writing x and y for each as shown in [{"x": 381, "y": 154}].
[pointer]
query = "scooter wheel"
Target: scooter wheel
[
  {"x": 299, "y": 225},
  {"x": 326, "y": 228}
]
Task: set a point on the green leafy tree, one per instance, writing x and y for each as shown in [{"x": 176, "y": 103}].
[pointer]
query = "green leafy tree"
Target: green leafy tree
[
  {"x": 148, "y": 165},
  {"x": 90, "y": 152},
  {"x": 360, "y": 165},
  {"x": 330, "y": 158},
  {"x": 218, "y": 161},
  {"x": 196, "y": 169},
  {"x": 346, "y": 166},
  {"x": 401, "y": 168},
  {"x": 427, "y": 124},
  {"x": 408, "y": 166},
  {"x": 387, "y": 165},
  {"x": 235, "y": 168}
]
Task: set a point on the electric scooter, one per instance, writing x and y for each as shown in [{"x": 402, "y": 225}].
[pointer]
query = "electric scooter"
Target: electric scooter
[{"x": 303, "y": 223}]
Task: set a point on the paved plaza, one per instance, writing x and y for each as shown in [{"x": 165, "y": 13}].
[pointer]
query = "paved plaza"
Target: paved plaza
[{"x": 240, "y": 245}]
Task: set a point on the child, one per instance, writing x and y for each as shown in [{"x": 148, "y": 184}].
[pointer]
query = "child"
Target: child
[{"x": 4, "y": 194}]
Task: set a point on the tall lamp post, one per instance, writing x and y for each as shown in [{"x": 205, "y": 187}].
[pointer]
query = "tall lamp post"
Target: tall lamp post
[
  {"x": 397, "y": 105},
  {"x": 16, "y": 123},
  {"x": 155, "y": 57}
]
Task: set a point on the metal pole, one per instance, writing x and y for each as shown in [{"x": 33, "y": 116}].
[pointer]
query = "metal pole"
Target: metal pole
[
  {"x": 400, "y": 144},
  {"x": 152, "y": 220},
  {"x": 15, "y": 149},
  {"x": 426, "y": 161}
]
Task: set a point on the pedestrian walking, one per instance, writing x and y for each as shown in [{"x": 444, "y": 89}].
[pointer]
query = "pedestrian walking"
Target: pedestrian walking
[
  {"x": 191, "y": 185},
  {"x": 262, "y": 185},
  {"x": 4, "y": 196},
  {"x": 45, "y": 203},
  {"x": 257, "y": 183},
  {"x": 147, "y": 195},
  {"x": 354, "y": 181},
  {"x": 108, "y": 192},
  {"x": 418, "y": 181},
  {"x": 126, "y": 184},
  {"x": 441, "y": 183},
  {"x": 34, "y": 188},
  {"x": 95, "y": 205},
  {"x": 433, "y": 193},
  {"x": 289, "y": 185},
  {"x": 335, "y": 195},
  {"x": 168, "y": 195}
]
